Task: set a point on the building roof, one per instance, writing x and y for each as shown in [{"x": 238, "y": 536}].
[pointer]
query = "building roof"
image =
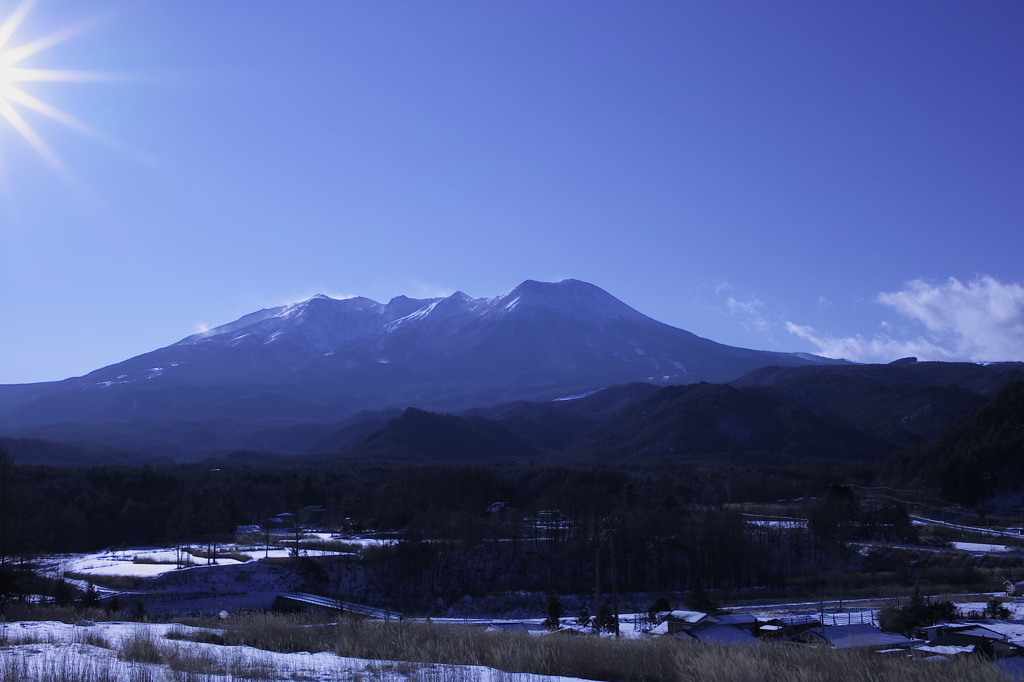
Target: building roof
[
  {"x": 686, "y": 616},
  {"x": 862, "y": 636},
  {"x": 736, "y": 619},
  {"x": 975, "y": 631},
  {"x": 947, "y": 650},
  {"x": 726, "y": 635}
]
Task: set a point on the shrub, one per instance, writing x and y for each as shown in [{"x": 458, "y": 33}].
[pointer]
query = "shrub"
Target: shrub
[{"x": 141, "y": 647}]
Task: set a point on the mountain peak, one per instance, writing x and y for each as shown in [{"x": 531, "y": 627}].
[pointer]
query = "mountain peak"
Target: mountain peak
[{"x": 569, "y": 297}]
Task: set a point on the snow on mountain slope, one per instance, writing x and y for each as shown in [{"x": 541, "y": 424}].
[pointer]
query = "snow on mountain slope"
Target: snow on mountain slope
[{"x": 323, "y": 359}]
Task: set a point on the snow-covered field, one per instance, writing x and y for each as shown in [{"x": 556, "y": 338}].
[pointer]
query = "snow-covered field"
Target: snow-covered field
[
  {"x": 150, "y": 562},
  {"x": 980, "y": 547},
  {"x": 98, "y": 652}
]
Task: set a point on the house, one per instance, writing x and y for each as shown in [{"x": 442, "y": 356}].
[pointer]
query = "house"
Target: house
[
  {"x": 858, "y": 636},
  {"x": 979, "y": 637},
  {"x": 312, "y": 515},
  {"x": 727, "y": 628},
  {"x": 679, "y": 621},
  {"x": 1014, "y": 589}
]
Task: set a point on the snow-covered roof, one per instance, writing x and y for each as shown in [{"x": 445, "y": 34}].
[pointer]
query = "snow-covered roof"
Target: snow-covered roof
[
  {"x": 989, "y": 631},
  {"x": 946, "y": 650},
  {"x": 687, "y": 616},
  {"x": 1012, "y": 631}
]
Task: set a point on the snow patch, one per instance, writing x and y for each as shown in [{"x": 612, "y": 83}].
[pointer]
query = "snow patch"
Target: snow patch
[{"x": 577, "y": 396}]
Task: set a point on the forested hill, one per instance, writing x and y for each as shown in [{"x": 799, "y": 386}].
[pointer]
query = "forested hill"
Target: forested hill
[
  {"x": 700, "y": 419},
  {"x": 977, "y": 460},
  {"x": 904, "y": 402}
]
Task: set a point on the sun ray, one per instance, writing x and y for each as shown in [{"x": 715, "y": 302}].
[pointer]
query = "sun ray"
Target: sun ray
[
  {"x": 5, "y": 180},
  {"x": 15, "y": 95},
  {"x": 19, "y": 124},
  {"x": 15, "y": 55},
  {"x": 10, "y": 75},
  {"x": 9, "y": 26}
]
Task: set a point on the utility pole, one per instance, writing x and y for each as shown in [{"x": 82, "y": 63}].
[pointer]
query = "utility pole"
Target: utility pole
[
  {"x": 597, "y": 587},
  {"x": 615, "y": 587}
]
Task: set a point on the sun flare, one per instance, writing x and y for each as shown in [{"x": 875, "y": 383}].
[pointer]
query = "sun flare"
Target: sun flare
[{"x": 13, "y": 72}]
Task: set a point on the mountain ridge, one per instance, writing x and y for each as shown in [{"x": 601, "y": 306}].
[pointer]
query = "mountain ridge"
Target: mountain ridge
[{"x": 325, "y": 359}]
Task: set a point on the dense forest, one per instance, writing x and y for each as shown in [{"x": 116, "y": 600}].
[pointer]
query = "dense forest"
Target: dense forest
[{"x": 473, "y": 530}]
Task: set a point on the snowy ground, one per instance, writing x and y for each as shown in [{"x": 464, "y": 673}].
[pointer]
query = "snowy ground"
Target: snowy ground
[
  {"x": 859, "y": 611},
  {"x": 148, "y": 562},
  {"x": 981, "y": 547},
  {"x": 88, "y": 653}
]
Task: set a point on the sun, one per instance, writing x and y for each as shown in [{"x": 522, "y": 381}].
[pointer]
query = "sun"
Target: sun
[{"x": 14, "y": 73}]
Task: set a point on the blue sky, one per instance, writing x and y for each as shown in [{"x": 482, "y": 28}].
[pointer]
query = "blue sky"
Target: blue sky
[{"x": 842, "y": 178}]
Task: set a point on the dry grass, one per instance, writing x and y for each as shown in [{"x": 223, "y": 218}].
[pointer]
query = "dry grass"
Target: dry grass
[
  {"x": 645, "y": 660},
  {"x": 141, "y": 647},
  {"x": 190, "y": 663},
  {"x": 424, "y": 651},
  {"x": 203, "y": 554},
  {"x": 330, "y": 546},
  {"x": 68, "y": 669},
  {"x": 92, "y": 638},
  {"x": 113, "y": 582},
  {"x": 13, "y": 613},
  {"x": 200, "y": 636}
]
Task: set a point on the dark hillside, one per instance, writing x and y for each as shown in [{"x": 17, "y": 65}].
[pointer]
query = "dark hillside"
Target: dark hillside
[
  {"x": 554, "y": 424},
  {"x": 39, "y": 451},
  {"x": 425, "y": 436},
  {"x": 906, "y": 402},
  {"x": 701, "y": 419},
  {"x": 977, "y": 460}
]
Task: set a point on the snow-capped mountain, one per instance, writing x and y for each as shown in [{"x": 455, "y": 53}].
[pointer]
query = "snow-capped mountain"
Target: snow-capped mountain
[{"x": 322, "y": 359}]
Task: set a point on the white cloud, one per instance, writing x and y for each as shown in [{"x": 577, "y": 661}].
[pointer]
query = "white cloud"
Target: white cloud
[
  {"x": 978, "y": 321},
  {"x": 751, "y": 313},
  {"x": 879, "y": 348}
]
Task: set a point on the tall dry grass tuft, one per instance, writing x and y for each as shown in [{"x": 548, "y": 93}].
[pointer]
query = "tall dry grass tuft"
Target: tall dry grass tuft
[
  {"x": 141, "y": 647},
  {"x": 68, "y": 669}
]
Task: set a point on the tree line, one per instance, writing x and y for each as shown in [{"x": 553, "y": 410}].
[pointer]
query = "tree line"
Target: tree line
[{"x": 461, "y": 529}]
